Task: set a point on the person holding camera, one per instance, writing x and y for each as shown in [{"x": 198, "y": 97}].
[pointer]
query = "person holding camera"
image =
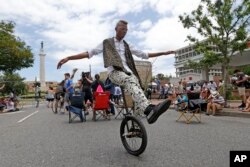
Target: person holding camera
[
  {"x": 118, "y": 59},
  {"x": 240, "y": 82},
  {"x": 86, "y": 87}
]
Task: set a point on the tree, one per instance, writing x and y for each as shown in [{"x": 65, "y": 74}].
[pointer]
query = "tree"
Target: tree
[
  {"x": 14, "y": 54},
  {"x": 160, "y": 76},
  {"x": 222, "y": 23},
  {"x": 13, "y": 82}
]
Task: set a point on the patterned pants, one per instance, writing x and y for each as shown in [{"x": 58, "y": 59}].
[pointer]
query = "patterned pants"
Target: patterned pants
[{"x": 131, "y": 84}]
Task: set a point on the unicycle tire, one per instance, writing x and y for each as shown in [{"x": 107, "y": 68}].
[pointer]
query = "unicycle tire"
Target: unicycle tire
[{"x": 131, "y": 131}]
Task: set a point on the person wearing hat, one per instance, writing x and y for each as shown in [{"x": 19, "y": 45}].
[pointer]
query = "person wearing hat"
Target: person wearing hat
[{"x": 216, "y": 102}]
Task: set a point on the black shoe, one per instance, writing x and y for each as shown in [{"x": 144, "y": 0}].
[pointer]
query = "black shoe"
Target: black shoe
[
  {"x": 207, "y": 114},
  {"x": 241, "y": 106},
  {"x": 153, "y": 112}
]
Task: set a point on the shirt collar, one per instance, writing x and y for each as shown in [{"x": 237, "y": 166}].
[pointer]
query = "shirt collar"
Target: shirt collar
[{"x": 116, "y": 40}]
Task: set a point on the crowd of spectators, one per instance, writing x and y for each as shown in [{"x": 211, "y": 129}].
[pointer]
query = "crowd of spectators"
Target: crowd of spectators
[
  {"x": 87, "y": 86},
  {"x": 209, "y": 91}
]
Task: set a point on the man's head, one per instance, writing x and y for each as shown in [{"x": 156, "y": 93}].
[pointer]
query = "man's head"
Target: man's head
[
  {"x": 237, "y": 71},
  {"x": 121, "y": 29},
  {"x": 67, "y": 75},
  {"x": 97, "y": 76},
  {"x": 85, "y": 75}
]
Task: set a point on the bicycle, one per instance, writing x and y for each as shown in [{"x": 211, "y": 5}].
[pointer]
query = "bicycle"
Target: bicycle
[{"x": 131, "y": 131}]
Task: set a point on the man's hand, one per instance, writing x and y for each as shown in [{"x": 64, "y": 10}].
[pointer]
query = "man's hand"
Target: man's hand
[
  {"x": 74, "y": 70},
  {"x": 61, "y": 62}
]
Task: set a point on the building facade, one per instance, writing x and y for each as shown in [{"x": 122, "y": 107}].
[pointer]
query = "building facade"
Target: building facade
[{"x": 188, "y": 53}]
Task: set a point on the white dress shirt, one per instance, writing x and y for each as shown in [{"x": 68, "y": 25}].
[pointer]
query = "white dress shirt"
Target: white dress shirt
[{"x": 119, "y": 45}]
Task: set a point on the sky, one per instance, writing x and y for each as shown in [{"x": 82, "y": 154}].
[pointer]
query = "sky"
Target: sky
[{"x": 68, "y": 27}]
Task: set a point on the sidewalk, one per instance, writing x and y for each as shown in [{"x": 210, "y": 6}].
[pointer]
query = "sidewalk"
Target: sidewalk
[{"x": 232, "y": 111}]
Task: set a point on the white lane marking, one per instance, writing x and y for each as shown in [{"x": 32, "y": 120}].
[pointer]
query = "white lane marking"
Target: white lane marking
[{"x": 21, "y": 120}]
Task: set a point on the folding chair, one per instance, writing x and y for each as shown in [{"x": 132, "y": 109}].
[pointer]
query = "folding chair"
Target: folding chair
[
  {"x": 194, "y": 106},
  {"x": 121, "y": 108},
  {"x": 101, "y": 105},
  {"x": 193, "y": 109},
  {"x": 182, "y": 112},
  {"x": 76, "y": 106}
]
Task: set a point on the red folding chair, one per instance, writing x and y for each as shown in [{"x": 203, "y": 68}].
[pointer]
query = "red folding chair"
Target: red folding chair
[{"x": 101, "y": 105}]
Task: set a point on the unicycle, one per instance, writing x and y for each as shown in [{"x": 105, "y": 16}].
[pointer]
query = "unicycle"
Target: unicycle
[{"x": 132, "y": 132}]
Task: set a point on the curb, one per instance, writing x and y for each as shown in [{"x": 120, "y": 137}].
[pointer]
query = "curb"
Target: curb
[{"x": 233, "y": 113}]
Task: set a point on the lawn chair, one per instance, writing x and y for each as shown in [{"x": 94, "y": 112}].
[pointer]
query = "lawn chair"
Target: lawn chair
[
  {"x": 122, "y": 107},
  {"x": 76, "y": 107},
  {"x": 182, "y": 112},
  {"x": 101, "y": 105},
  {"x": 193, "y": 109}
]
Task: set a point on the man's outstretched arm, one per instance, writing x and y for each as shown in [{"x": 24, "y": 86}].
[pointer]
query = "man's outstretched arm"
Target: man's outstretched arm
[
  {"x": 73, "y": 57},
  {"x": 160, "y": 54}
]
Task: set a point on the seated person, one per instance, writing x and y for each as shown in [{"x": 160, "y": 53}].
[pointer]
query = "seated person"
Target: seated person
[
  {"x": 10, "y": 106},
  {"x": 247, "y": 108},
  {"x": 215, "y": 102},
  {"x": 181, "y": 102},
  {"x": 2, "y": 104},
  {"x": 204, "y": 93}
]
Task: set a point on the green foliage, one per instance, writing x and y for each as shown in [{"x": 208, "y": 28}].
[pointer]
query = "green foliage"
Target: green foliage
[
  {"x": 245, "y": 69},
  {"x": 13, "y": 82},
  {"x": 160, "y": 76},
  {"x": 14, "y": 54},
  {"x": 224, "y": 24}
]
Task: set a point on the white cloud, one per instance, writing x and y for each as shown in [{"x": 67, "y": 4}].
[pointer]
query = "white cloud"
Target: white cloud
[
  {"x": 69, "y": 27},
  {"x": 174, "y": 7},
  {"x": 146, "y": 24},
  {"x": 166, "y": 34}
]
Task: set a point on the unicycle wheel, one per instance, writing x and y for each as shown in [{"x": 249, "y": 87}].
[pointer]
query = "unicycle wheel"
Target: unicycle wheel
[{"x": 133, "y": 135}]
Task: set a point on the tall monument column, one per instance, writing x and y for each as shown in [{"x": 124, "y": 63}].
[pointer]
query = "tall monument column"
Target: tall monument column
[{"x": 42, "y": 67}]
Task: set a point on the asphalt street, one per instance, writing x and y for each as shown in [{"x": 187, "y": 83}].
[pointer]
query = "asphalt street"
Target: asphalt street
[{"x": 39, "y": 138}]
